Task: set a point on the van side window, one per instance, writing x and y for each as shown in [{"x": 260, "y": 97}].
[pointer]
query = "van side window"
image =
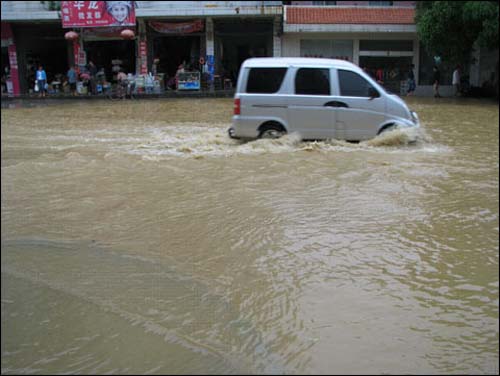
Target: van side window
[
  {"x": 312, "y": 81},
  {"x": 353, "y": 85},
  {"x": 265, "y": 80}
]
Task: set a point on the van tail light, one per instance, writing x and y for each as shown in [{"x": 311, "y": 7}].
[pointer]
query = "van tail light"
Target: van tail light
[{"x": 237, "y": 106}]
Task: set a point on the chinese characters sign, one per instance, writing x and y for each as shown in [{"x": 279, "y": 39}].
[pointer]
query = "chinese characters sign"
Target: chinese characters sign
[
  {"x": 97, "y": 13},
  {"x": 177, "y": 27},
  {"x": 143, "y": 53}
]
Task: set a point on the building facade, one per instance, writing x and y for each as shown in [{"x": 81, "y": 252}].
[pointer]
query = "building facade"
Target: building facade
[
  {"x": 376, "y": 35},
  {"x": 215, "y": 37}
]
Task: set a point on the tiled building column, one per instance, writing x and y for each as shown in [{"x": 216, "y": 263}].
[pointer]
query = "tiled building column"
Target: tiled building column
[
  {"x": 210, "y": 51},
  {"x": 277, "y": 33},
  {"x": 355, "y": 51}
]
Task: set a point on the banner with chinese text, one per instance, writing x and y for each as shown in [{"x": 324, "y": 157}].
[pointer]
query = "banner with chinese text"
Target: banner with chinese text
[
  {"x": 177, "y": 27},
  {"x": 97, "y": 13}
]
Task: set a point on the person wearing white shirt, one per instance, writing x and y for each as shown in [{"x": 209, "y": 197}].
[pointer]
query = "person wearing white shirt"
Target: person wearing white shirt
[{"x": 456, "y": 80}]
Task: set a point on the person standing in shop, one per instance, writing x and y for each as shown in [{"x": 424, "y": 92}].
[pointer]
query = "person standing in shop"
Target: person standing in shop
[
  {"x": 41, "y": 80},
  {"x": 456, "y": 80},
  {"x": 93, "y": 73},
  {"x": 72, "y": 78}
]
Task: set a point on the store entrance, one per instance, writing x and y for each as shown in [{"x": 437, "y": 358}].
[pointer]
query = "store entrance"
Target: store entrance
[
  {"x": 176, "y": 50},
  {"x": 102, "y": 53},
  {"x": 394, "y": 70},
  {"x": 238, "y": 40}
]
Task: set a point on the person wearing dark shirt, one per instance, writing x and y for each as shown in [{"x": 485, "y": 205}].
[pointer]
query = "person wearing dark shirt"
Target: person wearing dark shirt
[
  {"x": 411, "y": 81},
  {"x": 435, "y": 81},
  {"x": 93, "y": 72}
]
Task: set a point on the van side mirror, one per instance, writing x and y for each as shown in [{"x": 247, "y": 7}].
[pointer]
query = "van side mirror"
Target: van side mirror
[{"x": 373, "y": 93}]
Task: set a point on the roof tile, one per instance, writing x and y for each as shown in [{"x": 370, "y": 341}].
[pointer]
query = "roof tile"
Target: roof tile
[{"x": 309, "y": 15}]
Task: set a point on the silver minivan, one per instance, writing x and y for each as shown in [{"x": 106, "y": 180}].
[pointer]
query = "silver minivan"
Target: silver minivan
[{"x": 316, "y": 98}]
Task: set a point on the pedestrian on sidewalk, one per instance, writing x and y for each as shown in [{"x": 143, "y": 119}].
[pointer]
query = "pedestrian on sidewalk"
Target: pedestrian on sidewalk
[
  {"x": 436, "y": 77},
  {"x": 72, "y": 78},
  {"x": 456, "y": 80},
  {"x": 93, "y": 73},
  {"x": 41, "y": 80},
  {"x": 411, "y": 81}
]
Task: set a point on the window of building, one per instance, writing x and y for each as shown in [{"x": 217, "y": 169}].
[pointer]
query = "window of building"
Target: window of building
[
  {"x": 312, "y": 81},
  {"x": 265, "y": 80},
  {"x": 324, "y": 3},
  {"x": 353, "y": 85}
]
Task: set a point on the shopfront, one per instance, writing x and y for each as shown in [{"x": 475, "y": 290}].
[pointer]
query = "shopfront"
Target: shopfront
[
  {"x": 392, "y": 58},
  {"x": 389, "y": 59},
  {"x": 41, "y": 44},
  {"x": 103, "y": 47},
  {"x": 173, "y": 50},
  {"x": 238, "y": 39},
  {"x": 173, "y": 43}
]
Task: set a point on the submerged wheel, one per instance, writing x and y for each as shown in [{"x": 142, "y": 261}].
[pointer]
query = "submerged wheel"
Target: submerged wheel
[
  {"x": 388, "y": 128},
  {"x": 272, "y": 131}
]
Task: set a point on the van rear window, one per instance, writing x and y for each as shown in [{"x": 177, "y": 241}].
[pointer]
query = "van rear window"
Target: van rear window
[{"x": 265, "y": 80}]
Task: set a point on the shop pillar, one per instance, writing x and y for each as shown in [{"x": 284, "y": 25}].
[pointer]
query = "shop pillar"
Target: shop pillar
[
  {"x": 142, "y": 49},
  {"x": 8, "y": 38},
  {"x": 210, "y": 51},
  {"x": 277, "y": 33},
  {"x": 355, "y": 51}
]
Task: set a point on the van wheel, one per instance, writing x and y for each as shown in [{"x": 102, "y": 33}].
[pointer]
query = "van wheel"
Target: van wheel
[
  {"x": 389, "y": 128},
  {"x": 272, "y": 131}
]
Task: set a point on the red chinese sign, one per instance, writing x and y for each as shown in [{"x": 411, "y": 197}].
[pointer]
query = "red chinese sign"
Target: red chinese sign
[
  {"x": 143, "y": 53},
  {"x": 177, "y": 27},
  {"x": 97, "y": 13}
]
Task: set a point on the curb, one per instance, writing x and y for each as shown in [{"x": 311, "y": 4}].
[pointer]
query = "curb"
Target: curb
[{"x": 173, "y": 94}]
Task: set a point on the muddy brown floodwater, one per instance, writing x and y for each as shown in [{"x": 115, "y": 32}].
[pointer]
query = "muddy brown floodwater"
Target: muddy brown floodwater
[{"x": 136, "y": 237}]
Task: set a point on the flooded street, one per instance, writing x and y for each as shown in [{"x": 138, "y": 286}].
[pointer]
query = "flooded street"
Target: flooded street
[{"x": 137, "y": 237}]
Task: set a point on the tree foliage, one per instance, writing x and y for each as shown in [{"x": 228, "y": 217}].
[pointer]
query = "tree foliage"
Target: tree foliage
[{"x": 450, "y": 28}]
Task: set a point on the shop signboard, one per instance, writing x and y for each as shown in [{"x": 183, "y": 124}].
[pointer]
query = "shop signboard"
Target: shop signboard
[
  {"x": 111, "y": 32},
  {"x": 82, "y": 58},
  {"x": 97, "y": 13},
  {"x": 177, "y": 27},
  {"x": 188, "y": 81},
  {"x": 143, "y": 53},
  {"x": 13, "y": 59},
  {"x": 8, "y": 42}
]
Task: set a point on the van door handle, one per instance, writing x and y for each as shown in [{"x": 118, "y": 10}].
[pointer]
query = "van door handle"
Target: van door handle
[{"x": 336, "y": 104}]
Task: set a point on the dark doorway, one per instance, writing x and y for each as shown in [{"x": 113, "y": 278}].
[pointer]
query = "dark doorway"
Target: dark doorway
[
  {"x": 175, "y": 50},
  {"x": 40, "y": 44},
  {"x": 103, "y": 52},
  {"x": 240, "y": 39}
]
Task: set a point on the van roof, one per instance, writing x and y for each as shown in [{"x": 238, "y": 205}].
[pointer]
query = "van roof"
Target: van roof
[{"x": 292, "y": 61}]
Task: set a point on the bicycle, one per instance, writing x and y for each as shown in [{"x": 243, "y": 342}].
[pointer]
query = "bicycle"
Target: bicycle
[
  {"x": 117, "y": 91},
  {"x": 122, "y": 90}
]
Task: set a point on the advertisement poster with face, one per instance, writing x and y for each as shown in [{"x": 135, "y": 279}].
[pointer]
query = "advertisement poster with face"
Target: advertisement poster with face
[{"x": 97, "y": 13}]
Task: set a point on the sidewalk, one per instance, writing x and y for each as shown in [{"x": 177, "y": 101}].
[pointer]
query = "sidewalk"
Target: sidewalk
[{"x": 167, "y": 94}]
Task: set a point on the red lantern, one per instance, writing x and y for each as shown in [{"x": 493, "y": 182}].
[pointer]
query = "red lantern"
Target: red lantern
[
  {"x": 71, "y": 35},
  {"x": 127, "y": 34}
]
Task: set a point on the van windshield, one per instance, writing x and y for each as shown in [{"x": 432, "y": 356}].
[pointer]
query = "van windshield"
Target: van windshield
[{"x": 265, "y": 80}]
